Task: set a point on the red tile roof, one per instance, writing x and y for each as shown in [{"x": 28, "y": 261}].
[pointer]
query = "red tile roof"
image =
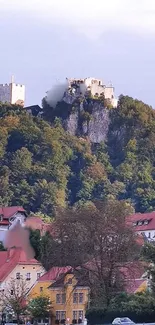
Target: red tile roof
[
  {"x": 133, "y": 285},
  {"x": 8, "y": 212},
  {"x": 3, "y": 257},
  {"x": 4, "y": 223},
  {"x": 54, "y": 273},
  {"x": 134, "y": 274},
  {"x": 10, "y": 259},
  {"x": 150, "y": 217}
]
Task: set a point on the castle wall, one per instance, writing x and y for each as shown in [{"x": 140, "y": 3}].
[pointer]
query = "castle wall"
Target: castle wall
[
  {"x": 97, "y": 89},
  {"x": 109, "y": 92},
  {"x": 18, "y": 93},
  {"x": 12, "y": 93},
  {"x": 5, "y": 93}
]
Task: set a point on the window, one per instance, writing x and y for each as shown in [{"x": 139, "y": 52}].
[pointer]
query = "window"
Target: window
[
  {"x": 135, "y": 223},
  {"x": 38, "y": 275},
  {"x": 149, "y": 235},
  {"x": 41, "y": 289},
  {"x": 75, "y": 314},
  {"x": 11, "y": 292},
  {"x": 140, "y": 223},
  {"x": 80, "y": 298},
  {"x": 28, "y": 277},
  {"x": 61, "y": 298},
  {"x": 78, "y": 314},
  {"x": 75, "y": 298},
  {"x": 58, "y": 298},
  {"x": 146, "y": 222},
  {"x": 60, "y": 315},
  {"x": 18, "y": 276}
]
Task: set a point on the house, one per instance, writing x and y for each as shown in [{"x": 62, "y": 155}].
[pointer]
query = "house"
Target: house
[
  {"x": 14, "y": 265},
  {"x": 68, "y": 293},
  {"x": 35, "y": 110},
  {"x": 9, "y": 216},
  {"x": 135, "y": 277},
  {"x": 42, "y": 284},
  {"x": 144, "y": 224}
]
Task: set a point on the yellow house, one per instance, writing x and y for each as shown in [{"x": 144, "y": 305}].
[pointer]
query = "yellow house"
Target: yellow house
[
  {"x": 68, "y": 292},
  {"x": 42, "y": 284}
]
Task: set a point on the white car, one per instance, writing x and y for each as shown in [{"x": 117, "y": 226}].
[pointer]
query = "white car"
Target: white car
[{"x": 122, "y": 321}]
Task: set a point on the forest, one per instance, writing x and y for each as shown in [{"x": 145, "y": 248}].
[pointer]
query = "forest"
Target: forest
[{"x": 43, "y": 167}]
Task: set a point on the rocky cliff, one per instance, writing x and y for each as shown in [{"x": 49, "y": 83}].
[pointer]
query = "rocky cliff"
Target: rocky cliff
[{"x": 81, "y": 116}]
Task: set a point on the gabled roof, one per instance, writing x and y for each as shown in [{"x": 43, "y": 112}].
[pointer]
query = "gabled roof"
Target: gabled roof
[
  {"x": 10, "y": 259},
  {"x": 54, "y": 273},
  {"x": 8, "y": 212},
  {"x": 82, "y": 279},
  {"x": 137, "y": 285},
  {"x": 142, "y": 221},
  {"x": 134, "y": 275}
]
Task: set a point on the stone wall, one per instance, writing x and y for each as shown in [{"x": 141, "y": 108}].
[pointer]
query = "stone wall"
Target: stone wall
[{"x": 5, "y": 93}]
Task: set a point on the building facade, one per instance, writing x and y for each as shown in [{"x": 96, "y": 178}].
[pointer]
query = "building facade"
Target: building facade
[
  {"x": 143, "y": 224},
  {"x": 95, "y": 86},
  {"x": 15, "y": 265},
  {"x": 68, "y": 294},
  {"x": 9, "y": 217},
  {"x": 12, "y": 93}
]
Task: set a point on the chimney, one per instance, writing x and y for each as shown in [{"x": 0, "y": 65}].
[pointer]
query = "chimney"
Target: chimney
[{"x": 8, "y": 255}]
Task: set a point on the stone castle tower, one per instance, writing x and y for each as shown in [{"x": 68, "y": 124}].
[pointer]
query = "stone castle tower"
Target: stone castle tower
[{"x": 12, "y": 93}]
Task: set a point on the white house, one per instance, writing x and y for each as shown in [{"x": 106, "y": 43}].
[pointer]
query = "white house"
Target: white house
[
  {"x": 144, "y": 223},
  {"x": 15, "y": 265},
  {"x": 8, "y": 218}
]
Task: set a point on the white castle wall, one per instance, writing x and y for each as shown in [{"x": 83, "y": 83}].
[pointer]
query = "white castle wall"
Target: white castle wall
[
  {"x": 18, "y": 93},
  {"x": 12, "y": 93}
]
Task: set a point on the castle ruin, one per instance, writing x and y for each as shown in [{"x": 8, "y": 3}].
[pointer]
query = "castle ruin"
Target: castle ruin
[
  {"x": 12, "y": 93},
  {"x": 94, "y": 86}
]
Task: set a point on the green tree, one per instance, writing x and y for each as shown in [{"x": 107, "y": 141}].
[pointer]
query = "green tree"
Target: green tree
[{"x": 40, "y": 307}]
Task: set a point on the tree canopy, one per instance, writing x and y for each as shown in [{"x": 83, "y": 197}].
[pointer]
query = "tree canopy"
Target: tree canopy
[{"x": 43, "y": 167}]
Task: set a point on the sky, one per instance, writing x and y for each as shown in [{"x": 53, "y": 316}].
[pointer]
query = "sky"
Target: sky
[{"x": 45, "y": 41}]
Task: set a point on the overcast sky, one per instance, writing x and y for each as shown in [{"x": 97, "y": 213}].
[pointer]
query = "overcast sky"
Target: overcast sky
[{"x": 45, "y": 41}]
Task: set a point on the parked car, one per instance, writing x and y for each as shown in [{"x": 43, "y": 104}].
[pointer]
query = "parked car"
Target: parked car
[{"x": 122, "y": 321}]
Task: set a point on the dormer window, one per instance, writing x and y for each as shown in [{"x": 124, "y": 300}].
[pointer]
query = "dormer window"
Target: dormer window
[
  {"x": 146, "y": 222},
  {"x": 140, "y": 223},
  {"x": 134, "y": 223}
]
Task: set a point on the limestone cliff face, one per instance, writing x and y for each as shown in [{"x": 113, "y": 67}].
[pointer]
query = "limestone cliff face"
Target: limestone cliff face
[
  {"x": 94, "y": 125},
  {"x": 81, "y": 115}
]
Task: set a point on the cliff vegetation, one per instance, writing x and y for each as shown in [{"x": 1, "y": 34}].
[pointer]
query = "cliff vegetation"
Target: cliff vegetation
[{"x": 77, "y": 153}]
